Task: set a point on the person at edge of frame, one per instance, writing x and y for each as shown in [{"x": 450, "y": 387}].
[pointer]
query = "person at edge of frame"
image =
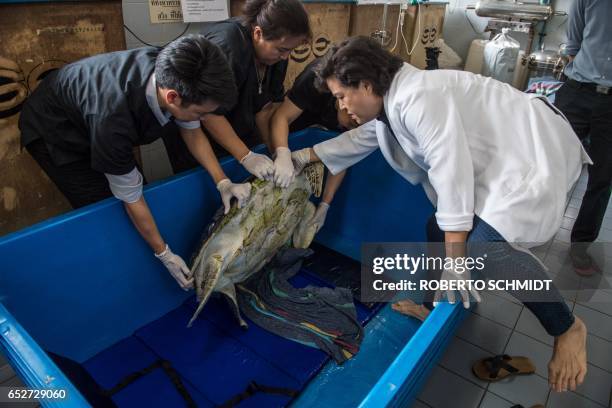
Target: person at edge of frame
[{"x": 586, "y": 101}]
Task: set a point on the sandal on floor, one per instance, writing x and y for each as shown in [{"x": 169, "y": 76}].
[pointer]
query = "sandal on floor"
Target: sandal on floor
[{"x": 502, "y": 366}]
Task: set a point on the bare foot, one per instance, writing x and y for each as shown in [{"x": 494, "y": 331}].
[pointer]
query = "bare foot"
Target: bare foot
[
  {"x": 409, "y": 308},
  {"x": 568, "y": 365}
]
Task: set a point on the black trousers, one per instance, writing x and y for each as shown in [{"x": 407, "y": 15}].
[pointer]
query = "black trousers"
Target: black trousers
[
  {"x": 590, "y": 114},
  {"x": 79, "y": 183}
]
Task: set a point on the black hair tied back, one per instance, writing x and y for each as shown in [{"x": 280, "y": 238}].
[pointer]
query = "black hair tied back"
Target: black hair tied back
[{"x": 277, "y": 18}]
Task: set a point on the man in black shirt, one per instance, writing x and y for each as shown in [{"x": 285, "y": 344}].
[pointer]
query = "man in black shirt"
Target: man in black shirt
[
  {"x": 305, "y": 106},
  {"x": 83, "y": 121}
]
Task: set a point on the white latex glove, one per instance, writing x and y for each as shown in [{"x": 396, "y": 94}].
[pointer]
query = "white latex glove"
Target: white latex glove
[
  {"x": 258, "y": 165},
  {"x": 452, "y": 275},
  {"x": 228, "y": 190},
  {"x": 300, "y": 159},
  {"x": 177, "y": 268},
  {"x": 283, "y": 167},
  {"x": 318, "y": 219}
]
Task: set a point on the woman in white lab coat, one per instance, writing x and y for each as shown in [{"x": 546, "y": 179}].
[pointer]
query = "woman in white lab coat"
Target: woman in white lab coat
[{"x": 497, "y": 164}]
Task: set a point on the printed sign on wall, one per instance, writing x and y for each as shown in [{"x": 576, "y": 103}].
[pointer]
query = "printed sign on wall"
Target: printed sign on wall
[
  {"x": 205, "y": 10},
  {"x": 165, "y": 11}
]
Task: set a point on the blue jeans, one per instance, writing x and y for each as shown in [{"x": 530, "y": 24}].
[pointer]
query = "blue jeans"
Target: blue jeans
[{"x": 505, "y": 262}]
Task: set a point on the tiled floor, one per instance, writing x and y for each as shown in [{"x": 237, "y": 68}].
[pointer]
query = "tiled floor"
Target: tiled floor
[
  {"x": 9, "y": 379},
  {"x": 501, "y": 324}
]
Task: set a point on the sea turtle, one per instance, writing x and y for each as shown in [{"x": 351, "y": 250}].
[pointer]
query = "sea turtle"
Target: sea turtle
[{"x": 239, "y": 244}]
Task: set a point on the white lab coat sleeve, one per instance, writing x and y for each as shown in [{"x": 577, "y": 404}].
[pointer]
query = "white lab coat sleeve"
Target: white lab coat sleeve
[
  {"x": 348, "y": 148},
  {"x": 435, "y": 122}
]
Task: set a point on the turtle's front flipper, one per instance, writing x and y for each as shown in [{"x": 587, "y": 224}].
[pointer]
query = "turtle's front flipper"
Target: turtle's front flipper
[
  {"x": 305, "y": 232},
  {"x": 230, "y": 292}
]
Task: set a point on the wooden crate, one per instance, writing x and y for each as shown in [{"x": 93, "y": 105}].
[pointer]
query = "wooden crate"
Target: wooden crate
[
  {"x": 37, "y": 38},
  {"x": 422, "y": 26},
  {"x": 424, "y": 32},
  {"x": 329, "y": 23},
  {"x": 367, "y": 19}
]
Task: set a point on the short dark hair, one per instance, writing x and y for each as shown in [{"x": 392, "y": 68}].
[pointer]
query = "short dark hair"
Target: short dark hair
[
  {"x": 277, "y": 18},
  {"x": 358, "y": 59},
  {"x": 197, "y": 70}
]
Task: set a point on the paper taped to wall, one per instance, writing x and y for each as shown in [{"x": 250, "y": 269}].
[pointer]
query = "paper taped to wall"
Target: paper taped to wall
[
  {"x": 204, "y": 10},
  {"x": 165, "y": 11}
]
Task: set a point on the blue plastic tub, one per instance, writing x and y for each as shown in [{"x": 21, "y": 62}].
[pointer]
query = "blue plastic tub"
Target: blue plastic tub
[{"x": 85, "y": 281}]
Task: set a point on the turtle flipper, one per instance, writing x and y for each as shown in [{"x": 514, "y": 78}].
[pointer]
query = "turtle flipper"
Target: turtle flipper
[
  {"x": 212, "y": 270},
  {"x": 230, "y": 292}
]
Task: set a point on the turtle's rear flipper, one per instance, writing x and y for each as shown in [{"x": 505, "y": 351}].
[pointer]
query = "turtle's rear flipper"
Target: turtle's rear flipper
[{"x": 230, "y": 294}]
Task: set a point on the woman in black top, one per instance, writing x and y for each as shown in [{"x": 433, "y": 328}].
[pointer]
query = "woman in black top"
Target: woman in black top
[{"x": 257, "y": 46}]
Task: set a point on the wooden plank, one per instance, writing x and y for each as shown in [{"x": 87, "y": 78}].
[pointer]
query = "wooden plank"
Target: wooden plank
[
  {"x": 367, "y": 19},
  {"x": 37, "y": 38},
  {"x": 422, "y": 26},
  {"x": 425, "y": 31}
]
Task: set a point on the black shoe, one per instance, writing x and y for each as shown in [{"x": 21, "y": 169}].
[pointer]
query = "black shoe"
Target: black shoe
[{"x": 583, "y": 263}]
